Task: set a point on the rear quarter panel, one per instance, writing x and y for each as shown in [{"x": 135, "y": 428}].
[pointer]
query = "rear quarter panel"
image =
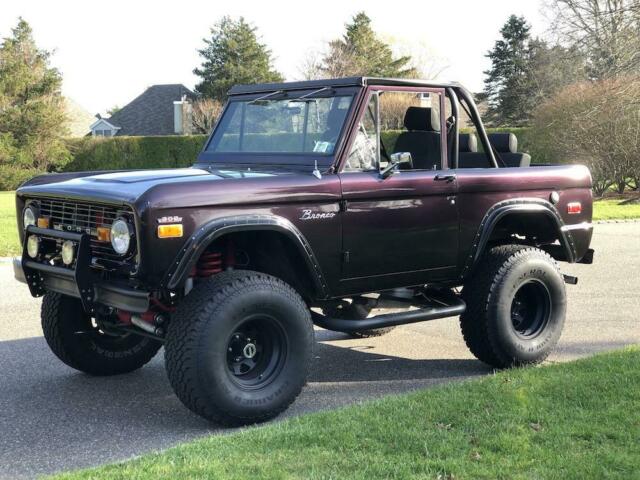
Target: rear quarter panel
[{"x": 480, "y": 189}]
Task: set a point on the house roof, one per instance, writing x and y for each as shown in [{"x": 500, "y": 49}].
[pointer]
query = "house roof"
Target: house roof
[{"x": 152, "y": 112}]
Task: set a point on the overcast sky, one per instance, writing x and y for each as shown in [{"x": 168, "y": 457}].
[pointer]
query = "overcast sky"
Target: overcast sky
[{"x": 109, "y": 52}]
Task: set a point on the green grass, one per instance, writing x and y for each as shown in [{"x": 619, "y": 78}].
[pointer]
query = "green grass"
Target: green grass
[
  {"x": 9, "y": 243},
  {"x": 615, "y": 209},
  {"x": 607, "y": 209},
  {"x": 577, "y": 420}
]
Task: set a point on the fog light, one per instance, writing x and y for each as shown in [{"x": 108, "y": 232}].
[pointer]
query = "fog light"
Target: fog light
[
  {"x": 33, "y": 246},
  {"x": 68, "y": 252}
]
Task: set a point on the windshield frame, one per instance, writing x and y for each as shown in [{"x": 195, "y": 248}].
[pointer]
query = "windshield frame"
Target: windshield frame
[{"x": 284, "y": 158}]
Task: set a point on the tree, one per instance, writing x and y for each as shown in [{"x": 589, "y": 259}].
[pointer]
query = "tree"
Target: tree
[
  {"x": 607, "y": 32},
  {"x": 204, "y": 114},
  {"x": 553, "y": 67},
  {"x": 596, "y": 123},
  {"x": 508, "y": 83},
  {"x": 233, "y": 55},
  {"x": 32, "y": 118},
  {"x": 361, "y": 52}
]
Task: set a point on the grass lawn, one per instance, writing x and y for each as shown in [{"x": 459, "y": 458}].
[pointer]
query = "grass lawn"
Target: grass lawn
[
  {"x": 606, "y": 209},
  {"x": 9, "y": 243},
  {"x": 577, "y": 420},
  {"x": 616, "y": 209}
]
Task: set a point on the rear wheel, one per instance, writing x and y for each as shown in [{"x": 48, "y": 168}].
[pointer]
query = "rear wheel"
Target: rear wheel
[
  {"x": 516, "y": 306},
  {"x": 239, "y": 347},
  {"x": 80, "y": 342}
]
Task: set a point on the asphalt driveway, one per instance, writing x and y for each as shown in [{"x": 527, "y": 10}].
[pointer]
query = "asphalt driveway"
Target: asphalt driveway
[{"x": 53, "y": 418}]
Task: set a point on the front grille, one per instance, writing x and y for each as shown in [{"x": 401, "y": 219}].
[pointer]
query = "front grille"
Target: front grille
[{"x": 82, "y": 217}]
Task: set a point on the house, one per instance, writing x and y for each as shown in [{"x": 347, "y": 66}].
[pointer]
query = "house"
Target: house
[{"x": 160, "y": 110}]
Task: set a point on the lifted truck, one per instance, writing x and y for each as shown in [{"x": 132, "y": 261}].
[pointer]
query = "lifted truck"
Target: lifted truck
[{"x": 311, "y": 203}]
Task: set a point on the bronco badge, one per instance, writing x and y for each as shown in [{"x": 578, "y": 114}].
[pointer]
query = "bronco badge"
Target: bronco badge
[{"x": 310, "y": 215}]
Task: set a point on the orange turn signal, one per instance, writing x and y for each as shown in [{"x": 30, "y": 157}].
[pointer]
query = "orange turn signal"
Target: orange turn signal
[
  {"x": 43, "y": 222},
  {"x": 104, "y": 234},
  {"x": 173, "y": 230}
]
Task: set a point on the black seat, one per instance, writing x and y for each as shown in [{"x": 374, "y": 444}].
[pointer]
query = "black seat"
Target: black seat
[
  {"x": 422, "y": 138},
  {"x": 468, "y": 156},
  {"x": 506, "y": 144}
]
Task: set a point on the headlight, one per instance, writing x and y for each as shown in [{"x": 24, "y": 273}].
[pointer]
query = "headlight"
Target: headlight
[
  {"x": 29, "y": 217},
  {"x": 33, "y": 246},
  {"x": 120, "y": 236},
  {"x": 68, "y": 252}
]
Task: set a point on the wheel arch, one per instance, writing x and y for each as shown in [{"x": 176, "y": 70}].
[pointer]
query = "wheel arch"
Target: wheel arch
[
  {"x": 214, "y": 230},
  {"x": 529, "y": 216}
]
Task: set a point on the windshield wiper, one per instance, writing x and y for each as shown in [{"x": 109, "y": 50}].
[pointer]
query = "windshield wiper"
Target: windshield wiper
[
  {"x": 305, "y": 98},
  {"x": 264, "y": 97}
]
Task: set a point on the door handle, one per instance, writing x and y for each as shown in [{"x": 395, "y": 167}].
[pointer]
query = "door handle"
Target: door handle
[{"x": 450, "y": 177}]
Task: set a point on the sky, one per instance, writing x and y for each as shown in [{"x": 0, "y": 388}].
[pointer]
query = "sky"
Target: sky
[{"x": 109, "y": 52}]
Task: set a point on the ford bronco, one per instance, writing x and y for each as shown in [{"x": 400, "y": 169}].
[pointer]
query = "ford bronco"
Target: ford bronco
[{"x": 316, "y": 202}]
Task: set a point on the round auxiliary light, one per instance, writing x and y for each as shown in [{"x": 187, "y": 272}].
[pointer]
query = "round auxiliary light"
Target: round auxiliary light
[
  {"x": 68, "y": 252},
  {"x": 120, "y": 236},
  {"x": 33, "y": 246},
  {"x": 29, "y": 217}
]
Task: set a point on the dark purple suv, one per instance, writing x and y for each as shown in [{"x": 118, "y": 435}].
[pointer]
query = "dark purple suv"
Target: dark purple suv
[{"x": 311, "y": 203}]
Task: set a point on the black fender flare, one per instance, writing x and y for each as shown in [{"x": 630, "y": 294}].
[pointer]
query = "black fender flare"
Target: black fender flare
[
  {"x": 507, "y": 207},
  {"x": 207, "y": 233}
]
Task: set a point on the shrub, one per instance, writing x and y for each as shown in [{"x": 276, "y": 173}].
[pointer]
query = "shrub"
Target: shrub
[{"x": 596, "y": 123}]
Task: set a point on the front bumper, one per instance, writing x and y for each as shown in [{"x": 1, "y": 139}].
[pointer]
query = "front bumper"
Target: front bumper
[{"x": 79, "y": 282}]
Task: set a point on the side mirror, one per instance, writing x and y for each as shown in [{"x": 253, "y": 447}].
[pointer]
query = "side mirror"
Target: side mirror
[{"x": 397, "y": 159}]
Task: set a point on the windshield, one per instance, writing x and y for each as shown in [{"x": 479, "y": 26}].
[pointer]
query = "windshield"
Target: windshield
[{"x": 301, "y": 126}]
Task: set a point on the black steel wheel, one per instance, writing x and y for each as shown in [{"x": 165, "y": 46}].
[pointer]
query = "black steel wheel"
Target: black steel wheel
[
  {"x": 530, "y": 309},
  {"x": 256, "y": 352}
]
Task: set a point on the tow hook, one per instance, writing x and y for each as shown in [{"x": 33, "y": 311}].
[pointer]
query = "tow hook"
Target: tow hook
[
  {"x": 153, "y": 328},
  {"x": 571, "y": 280}
]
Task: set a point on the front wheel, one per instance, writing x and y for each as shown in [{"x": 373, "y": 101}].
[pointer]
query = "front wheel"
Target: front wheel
[
  {"x": 516, "y": 306},
  {"x": 239, "y": 347},
  {"x": 80, "y": 342}
]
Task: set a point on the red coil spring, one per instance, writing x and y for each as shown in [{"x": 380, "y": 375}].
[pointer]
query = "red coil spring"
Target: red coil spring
[{"x": 209, "y": 264}]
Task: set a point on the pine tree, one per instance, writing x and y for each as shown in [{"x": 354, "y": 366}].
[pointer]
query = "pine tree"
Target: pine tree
[
  {"x": 509, "y": 82},
  {"x": 32, "y": 118},
  {"x": 233, "y": 55},
  {"x": 361, "y": 52}
]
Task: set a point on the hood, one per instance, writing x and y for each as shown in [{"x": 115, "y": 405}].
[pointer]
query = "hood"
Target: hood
[
  {"x": 122, "y": 186},
  {"x": 185, "y": 187}
]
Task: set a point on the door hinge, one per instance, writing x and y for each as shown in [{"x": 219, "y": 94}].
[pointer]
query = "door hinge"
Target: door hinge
[
  {"x": 345, "y": 256},
  {"x": 343, "y": 205}
]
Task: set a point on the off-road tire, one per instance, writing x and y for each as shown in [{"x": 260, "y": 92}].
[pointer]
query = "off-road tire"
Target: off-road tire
[
  {"x": 74, "y": 340},
  {"x": 357, "y": 311},
  {"x": 488, "y": 324},
  {"x": 199, "y": 335}
]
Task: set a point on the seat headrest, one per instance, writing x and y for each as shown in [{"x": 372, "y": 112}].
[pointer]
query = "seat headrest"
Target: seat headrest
[
  {"x": 422, "y": 119},
  {"x": 468, "y": 143},
  {"x": 504, "y": 142}
]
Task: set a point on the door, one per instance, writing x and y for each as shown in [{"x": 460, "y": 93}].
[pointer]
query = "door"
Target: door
[{"x": 403, "y": 229}]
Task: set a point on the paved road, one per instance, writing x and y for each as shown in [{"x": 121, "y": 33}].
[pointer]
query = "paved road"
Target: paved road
[{"x": 53, "y": 418}]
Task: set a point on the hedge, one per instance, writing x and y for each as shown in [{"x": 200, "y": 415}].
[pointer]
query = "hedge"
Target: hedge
[{"x": 122, "y": 153}]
